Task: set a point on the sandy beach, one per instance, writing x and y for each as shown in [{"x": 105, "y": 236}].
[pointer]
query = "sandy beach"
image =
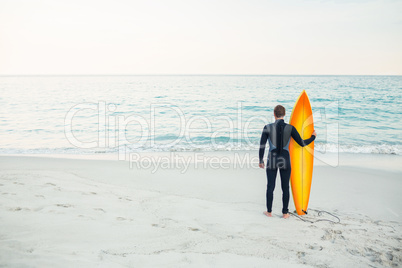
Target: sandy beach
[
  {"x": 132, "y": 133},
  {"x": 103, "y": 213}
]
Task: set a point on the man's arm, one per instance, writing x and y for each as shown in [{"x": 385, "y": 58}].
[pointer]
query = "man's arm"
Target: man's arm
[
  {"x": 263, "y": 141},
  {"x": 299, "y": 140}
]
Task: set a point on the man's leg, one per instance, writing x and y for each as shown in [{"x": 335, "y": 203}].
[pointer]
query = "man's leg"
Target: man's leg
[
  {"x": 271, "y": 178},
  {"x": 285, "y": 177}
]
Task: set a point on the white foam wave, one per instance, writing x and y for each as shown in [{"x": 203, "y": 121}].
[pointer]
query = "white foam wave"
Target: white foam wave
[
  {"x": 319, "y": 147},
  {"x": 365, "y": 149}
]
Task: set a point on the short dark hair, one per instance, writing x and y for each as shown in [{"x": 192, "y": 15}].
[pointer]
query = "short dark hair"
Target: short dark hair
[{"x": 279, "y": 111}]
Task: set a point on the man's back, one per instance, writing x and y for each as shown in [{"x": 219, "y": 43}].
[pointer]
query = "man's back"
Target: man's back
[{"x": 278, "y": 135}]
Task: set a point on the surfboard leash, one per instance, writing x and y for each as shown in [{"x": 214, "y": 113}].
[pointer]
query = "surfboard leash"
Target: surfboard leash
[{"x": 319, "y": 212}]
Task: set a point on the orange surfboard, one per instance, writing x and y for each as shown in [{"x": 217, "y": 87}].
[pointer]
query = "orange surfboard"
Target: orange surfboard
[{"x": 301, "y": 158}]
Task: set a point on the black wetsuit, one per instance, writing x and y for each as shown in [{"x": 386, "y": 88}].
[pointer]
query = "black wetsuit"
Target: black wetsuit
[{"x": 278, "y": 134}]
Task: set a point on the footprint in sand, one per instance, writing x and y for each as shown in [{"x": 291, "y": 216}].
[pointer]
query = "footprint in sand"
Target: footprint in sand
[
  {"x": 157, "y": 225},
  {"x": 18, "y": 209},
  {"x": 332, "y": 235},
  {"x": 64, "y": 205},
  {"x": 85, "y": 217},
  {"x": 315, "y": 247},
  {"x": 89, "y": 193},
  {"x": 123, "y": 219},
  {"x": 125, "y": 198},
  {"x": 379, "y": 257},
  {"x": 100, "y": 209},
  {"x": 301, "y": 254}
]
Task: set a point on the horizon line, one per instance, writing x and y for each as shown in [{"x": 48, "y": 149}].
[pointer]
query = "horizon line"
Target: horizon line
[{"x": 5, "y": 75}]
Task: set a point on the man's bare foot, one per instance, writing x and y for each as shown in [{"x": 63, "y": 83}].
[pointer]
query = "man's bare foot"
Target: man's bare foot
[
  {"x": 285, "y": 216},
  {"x": 268, "y": 214}
]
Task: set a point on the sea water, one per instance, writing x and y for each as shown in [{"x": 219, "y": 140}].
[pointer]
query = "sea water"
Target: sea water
[{"x": 100, "y": 114}]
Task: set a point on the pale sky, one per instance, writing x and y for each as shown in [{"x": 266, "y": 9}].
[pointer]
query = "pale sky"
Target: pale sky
[{"x": 200, "y": 37}]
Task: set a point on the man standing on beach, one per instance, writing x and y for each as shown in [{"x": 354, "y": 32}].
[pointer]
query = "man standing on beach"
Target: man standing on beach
[{"x": 278, "y": 134}]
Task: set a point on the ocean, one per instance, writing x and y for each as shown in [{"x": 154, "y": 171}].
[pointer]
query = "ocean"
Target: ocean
[{"x": 102, "y": 114}]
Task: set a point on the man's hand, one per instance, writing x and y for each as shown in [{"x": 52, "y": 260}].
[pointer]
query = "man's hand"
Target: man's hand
[
  {"x": 314, "y": 133},
  {"x": 262, "y": 165}
]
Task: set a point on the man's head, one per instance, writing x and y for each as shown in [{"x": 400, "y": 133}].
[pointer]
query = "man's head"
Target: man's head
[{"x": 279, "y": 111}]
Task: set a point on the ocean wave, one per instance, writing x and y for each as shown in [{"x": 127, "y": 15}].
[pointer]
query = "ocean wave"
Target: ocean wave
[
  {"x": 319, "y": 147},
  {"x": 365, "y": 149}
]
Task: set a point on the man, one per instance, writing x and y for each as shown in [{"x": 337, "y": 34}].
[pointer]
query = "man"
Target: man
[{"x": 278, "y": 134}]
